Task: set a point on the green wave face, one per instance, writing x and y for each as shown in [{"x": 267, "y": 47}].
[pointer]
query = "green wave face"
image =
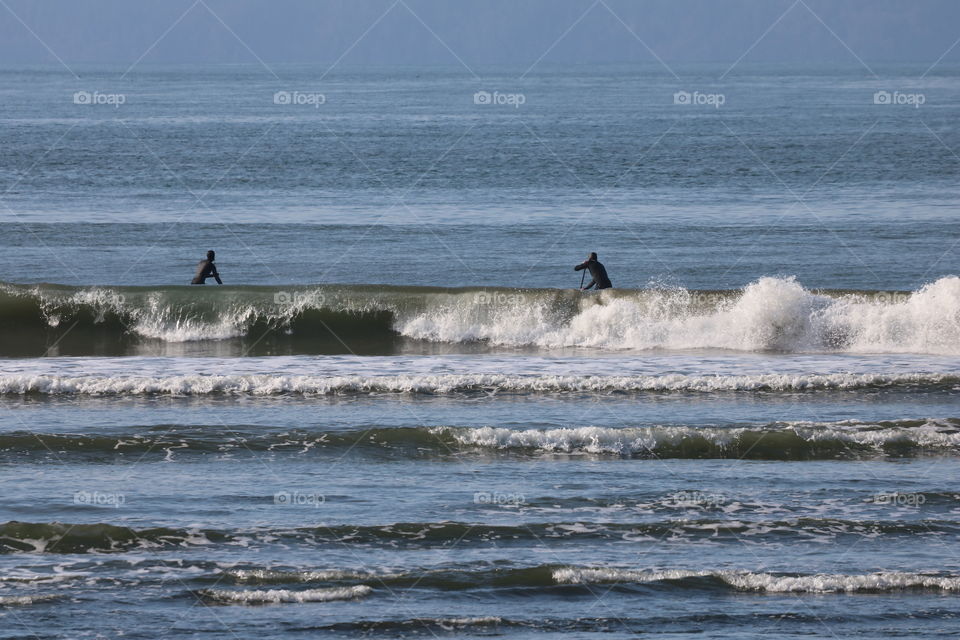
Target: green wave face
[{"x": 771, "y": 314}]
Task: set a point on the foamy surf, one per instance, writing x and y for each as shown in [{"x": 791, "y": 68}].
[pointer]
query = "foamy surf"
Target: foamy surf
[
  {"x": 878, "y": 582},
  {"x": 279, "y": 596},
  {"x": 267, "y": 576},
  {"x": 770, "y": 314},
  {"x": 23, "y": 601},
  {"x": 271, "y": 385},
  {"x": 786, "y": 441}
]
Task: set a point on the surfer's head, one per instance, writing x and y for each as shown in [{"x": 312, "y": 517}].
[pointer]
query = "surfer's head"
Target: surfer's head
[
  {"x": 211, "y": 255},
  {"x": 593, "y": 256}
]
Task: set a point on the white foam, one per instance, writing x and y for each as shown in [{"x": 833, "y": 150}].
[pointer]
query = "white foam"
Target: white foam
[
  {"x": 260, "y": 575},
  {"x": 443, "y": 384},
  {"x": 624, "y": 441},
  {"x": 770, "y": 314},
  {"x": 277, "y": 596},
  {"x": 572, "y": 575},
  {"x": 827, "y": 583},
  {"x": 26, "y": 600},
  {"x": 747, "y": 581}
]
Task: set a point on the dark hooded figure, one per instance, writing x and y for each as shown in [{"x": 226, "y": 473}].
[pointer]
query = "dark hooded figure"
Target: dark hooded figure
[
  {"x": 206, "y": 269},
  {"x": 597, "y": 272}
]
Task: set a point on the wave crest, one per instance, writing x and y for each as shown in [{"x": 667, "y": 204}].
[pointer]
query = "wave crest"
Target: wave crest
[
  {"x": 771, "y": 314},
  {"x": 777, "y": 441}
]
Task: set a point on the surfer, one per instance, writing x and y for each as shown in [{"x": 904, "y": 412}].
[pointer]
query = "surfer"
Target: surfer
[
  {"x": 597, "y": 272},
  {"x": 206, "y": 269}
]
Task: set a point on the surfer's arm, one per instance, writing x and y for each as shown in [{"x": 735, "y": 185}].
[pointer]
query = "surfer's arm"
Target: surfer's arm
[
  {"x": 580, "y": 267},
  {"x": 216, "y": 275},
  {"x": 592, "y": 282}
]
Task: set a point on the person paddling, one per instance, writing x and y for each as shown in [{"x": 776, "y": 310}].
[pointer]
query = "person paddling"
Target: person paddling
[
  {"x": 597, "y": 272},
  {"x": 206, "y": 269}
]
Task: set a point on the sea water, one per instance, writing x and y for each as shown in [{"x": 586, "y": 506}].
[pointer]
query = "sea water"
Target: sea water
[{"x": 399, "y": 418}]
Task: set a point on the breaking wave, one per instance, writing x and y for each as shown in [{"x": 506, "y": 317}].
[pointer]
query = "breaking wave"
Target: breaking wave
[
  {"x": 771, "y": 314},
  {"x": 277, "y": 596},
  {"x": 552, "y": 576},
  {"x": 55, "y": 537},
  {"x": 788, "y": 441},
  {"x": 879, "y": 582},
  {"x": 776, "y": 441}
]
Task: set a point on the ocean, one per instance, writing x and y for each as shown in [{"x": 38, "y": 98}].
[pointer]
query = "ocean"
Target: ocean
[{"x": 399, "y": 417}]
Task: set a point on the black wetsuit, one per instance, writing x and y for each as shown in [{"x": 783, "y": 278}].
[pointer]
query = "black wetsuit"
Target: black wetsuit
[
  {"x": 206, "y": 269},
  {"x": 597, "y": 272}
]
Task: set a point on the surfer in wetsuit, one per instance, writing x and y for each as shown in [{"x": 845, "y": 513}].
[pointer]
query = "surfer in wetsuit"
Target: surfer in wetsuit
[
  {"x": 206, "y": 269},
  {"x": 597, "y": 272}
]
